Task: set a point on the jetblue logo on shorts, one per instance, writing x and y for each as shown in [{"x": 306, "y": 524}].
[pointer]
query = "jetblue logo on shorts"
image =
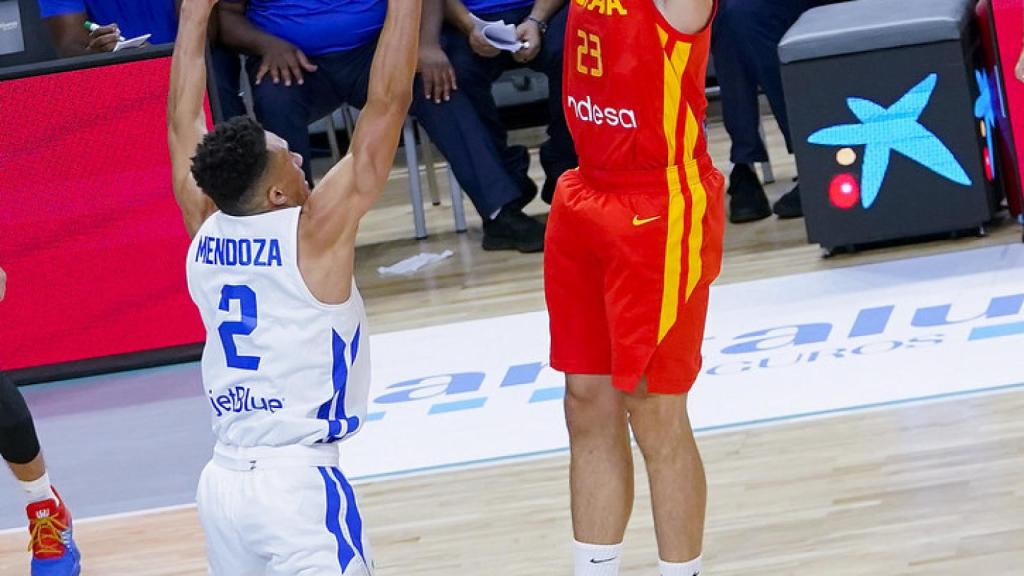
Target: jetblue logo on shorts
[
  {"x": 240, "y": 399},
  {"x": 260, "y": 252}
]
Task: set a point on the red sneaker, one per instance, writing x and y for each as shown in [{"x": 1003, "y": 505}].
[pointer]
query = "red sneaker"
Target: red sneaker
[{"x": 53, "y": 549}]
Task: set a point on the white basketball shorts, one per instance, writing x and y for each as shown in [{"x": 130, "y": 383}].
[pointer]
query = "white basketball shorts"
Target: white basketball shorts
[{"x": 281, "y": 512}]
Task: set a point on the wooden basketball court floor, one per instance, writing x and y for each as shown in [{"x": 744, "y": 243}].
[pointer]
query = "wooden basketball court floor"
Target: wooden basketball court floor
[{"x": 932, "y": 488}]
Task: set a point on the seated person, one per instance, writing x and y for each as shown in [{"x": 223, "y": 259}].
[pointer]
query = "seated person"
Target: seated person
[
  {"x": 456, "y": 106},
  {"x": 745, "y": 48},
  {"x": 117, "y": 18},
  {"x": 307, "y": 59},
  {"x": 304, "y": 59}
]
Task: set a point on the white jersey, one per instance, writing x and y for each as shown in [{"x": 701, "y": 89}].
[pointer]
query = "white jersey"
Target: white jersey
[{"x": 280, "y": 367}]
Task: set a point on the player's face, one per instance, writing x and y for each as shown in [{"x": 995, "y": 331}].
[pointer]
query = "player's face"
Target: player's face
[{"x": 287, "y": 166}]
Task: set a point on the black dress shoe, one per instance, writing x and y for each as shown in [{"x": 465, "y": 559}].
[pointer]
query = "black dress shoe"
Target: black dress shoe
[
  {"x": 513, "y": 230},
  {"x": 747, "y": 201},
  {"x": 789, "y": 205}
]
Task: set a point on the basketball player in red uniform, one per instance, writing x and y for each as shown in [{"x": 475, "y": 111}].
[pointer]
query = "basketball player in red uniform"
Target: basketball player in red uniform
[{"x": 634, "y": 241}]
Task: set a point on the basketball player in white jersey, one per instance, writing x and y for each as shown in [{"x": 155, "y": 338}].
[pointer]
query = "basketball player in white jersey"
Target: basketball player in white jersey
[{"x": 286, "y": 364}]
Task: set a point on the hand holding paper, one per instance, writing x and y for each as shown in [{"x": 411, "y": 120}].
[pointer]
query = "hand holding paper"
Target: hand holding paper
[{"x": 500, "y": 35}]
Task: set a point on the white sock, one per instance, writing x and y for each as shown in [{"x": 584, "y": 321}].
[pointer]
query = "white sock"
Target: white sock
[
  {"x": 596, "y": 559},
  {"x": 691, "y": 568},
  {"x": 39, "y": 489}
]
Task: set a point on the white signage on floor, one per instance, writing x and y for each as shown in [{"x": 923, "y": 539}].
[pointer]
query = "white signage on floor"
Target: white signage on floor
[{"x": 798, "y": 346}]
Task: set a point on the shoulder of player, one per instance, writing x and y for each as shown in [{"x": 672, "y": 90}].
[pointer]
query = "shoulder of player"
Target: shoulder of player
[{"x": 325, "y": 229}]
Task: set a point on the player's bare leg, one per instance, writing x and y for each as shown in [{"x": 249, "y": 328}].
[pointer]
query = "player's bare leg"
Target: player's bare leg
[
  {"x": 675, "y": 471},
  {"x": 600, "y": 471},
  {"x": 29, "y": 472},
  {"x": 54, "y": 552}
]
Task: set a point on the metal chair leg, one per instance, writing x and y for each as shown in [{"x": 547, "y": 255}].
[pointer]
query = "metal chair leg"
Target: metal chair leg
[
  {"x": 458, "y": 208},
  {"x": 429, "y": 163},
  {"x": 415, "y": 187},
  {"x": 767, "y": 174},
  {"x": 332, "y": 138}
]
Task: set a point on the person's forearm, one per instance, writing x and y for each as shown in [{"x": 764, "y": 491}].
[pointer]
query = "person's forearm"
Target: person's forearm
[
  {"x": 188, "y": 67},
  {"x": 394, "y": 63},
  {"x": 236, "y": 31},
  {"x": 543, "y": 10},
  {"x": 456, "y": 13},
  {"x": 69, "y": 35},
  {"x": 431, "y": 22}
]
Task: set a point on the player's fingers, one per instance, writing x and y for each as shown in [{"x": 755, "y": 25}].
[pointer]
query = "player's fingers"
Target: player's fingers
[
  {"x": 427, "y": 77},
  {"x": 262, "y": 71},
  {"x": 440, "y": 90},
  {"x": 104, "y": 30},
  {"x": 286, "y": 74},
  {"x": 275, "y": 73},
  {"x": 446, "y": 86},
  {"x": 104, "y": 43},
  {"x": 304, "y": 61},
  {"x": 295, "y": 71},
  {"x": 452, "y": 78}
]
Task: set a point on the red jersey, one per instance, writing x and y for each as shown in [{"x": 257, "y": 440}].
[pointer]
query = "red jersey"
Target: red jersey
[{"x": 634, "y": 87}]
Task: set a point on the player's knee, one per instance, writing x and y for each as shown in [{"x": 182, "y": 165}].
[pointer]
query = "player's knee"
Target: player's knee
[
  {"x": 659, "y": 430},
  {"x": 591, "y": 407}
]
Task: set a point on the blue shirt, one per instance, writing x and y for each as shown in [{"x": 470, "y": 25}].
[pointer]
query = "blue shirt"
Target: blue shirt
[
  {"x": 483, "y": 7},
  {"x": 133, "y": 17},
  {"x": 319, "y": 27}
]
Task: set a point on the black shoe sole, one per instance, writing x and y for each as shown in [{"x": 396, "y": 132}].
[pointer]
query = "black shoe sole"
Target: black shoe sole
[
  {"x": 501, "y": 244},
  {"x": 744, "y": 218},
  {"x": 787, "y": 215}
]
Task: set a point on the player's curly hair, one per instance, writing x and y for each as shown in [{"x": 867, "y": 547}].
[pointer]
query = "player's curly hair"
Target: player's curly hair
[{"x": 230, "y": 161}]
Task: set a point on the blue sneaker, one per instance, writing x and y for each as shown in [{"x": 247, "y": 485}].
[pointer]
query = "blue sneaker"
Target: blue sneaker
[{"x": 53, "y": 549}]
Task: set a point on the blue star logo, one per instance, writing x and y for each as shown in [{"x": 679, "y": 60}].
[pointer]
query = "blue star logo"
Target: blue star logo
[
  {"x": 985, "y": 111},
  {"x": 894, "y": 129}
]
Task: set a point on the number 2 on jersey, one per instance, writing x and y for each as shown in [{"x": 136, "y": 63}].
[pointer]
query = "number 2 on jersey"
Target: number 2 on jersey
[
  {"x": 228, "y": 330},
  {"x": 588, "y": 54}
]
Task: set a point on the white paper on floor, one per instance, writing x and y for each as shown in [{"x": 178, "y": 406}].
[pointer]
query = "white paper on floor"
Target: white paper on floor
[{"x": 414, "y": 264}]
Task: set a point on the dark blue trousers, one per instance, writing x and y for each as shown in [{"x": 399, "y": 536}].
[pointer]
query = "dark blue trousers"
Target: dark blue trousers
[
  {"x": 468, "y": 129},
  {"x": 745, "y": 45},
  {"x": 341, "y": 78},
  {"x": 226, "y": 68}
]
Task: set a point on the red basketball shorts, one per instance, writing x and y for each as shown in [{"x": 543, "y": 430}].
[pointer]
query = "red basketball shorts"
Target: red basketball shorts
[{"x": 629, "y": 260}]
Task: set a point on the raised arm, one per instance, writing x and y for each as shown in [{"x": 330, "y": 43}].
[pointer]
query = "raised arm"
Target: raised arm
[
  {"x": 349, "y": 190},
  {"x": 186, "y": 119},
  {"x": 687, "y": 16}
]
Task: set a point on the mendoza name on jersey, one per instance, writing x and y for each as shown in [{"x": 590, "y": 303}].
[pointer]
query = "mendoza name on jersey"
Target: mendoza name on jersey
[{"x": 261, "y": 252}]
